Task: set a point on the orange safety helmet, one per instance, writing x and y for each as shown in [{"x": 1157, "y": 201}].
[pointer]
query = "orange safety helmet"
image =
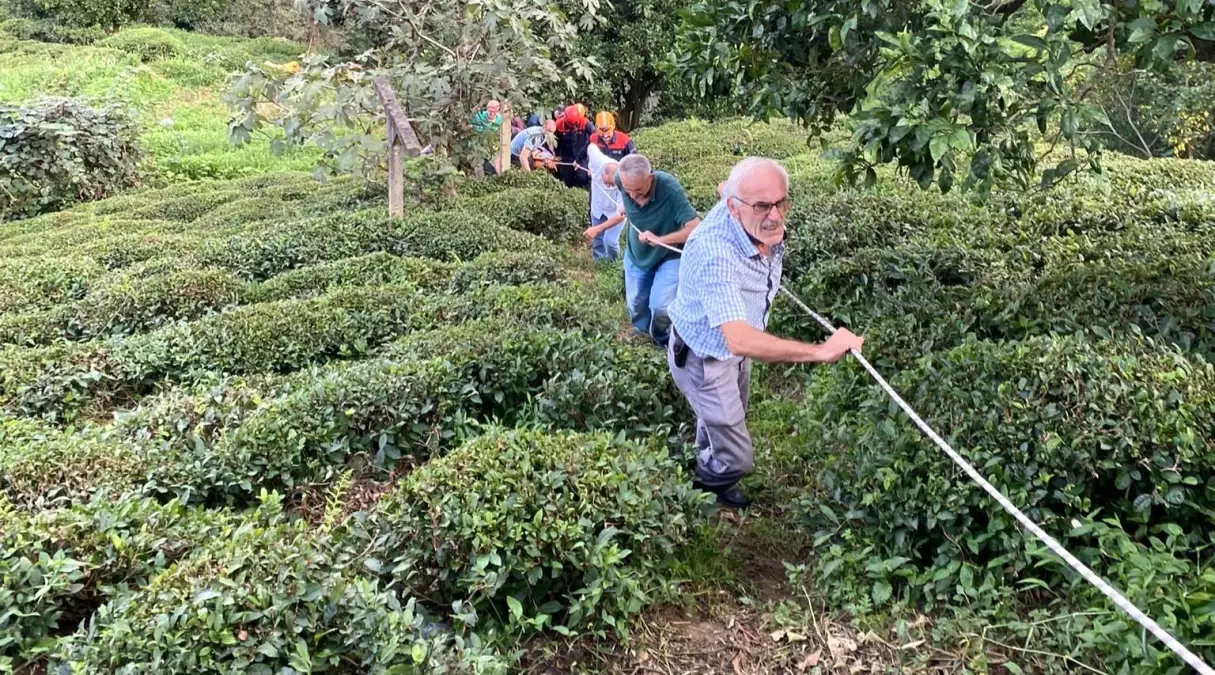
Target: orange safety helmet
[{"x": 605, "y": 122}]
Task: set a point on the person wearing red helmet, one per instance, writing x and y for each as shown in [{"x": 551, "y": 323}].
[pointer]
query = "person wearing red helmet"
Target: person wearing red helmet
[{"x": 573, "y": 136}]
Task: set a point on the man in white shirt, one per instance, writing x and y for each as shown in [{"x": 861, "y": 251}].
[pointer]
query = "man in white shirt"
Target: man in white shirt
[{"x": 607, "y": 215}]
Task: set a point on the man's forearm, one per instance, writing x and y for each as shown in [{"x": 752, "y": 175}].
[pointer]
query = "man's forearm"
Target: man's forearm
[
  {"x": 611, "y": 222},
  {"x": 770, "y": 349},
  {"x": 747, "y": 341},
  {"x": 681, "y": 235}
]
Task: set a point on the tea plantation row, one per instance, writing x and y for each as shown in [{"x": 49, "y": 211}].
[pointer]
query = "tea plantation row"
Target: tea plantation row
[
  {"x": 1062, "y": 341},
  {"x": 171, "y": 358}
]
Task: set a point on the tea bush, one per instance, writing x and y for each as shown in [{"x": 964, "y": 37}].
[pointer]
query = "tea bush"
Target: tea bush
[
  {"x": 264, "y": 599},
  {"x": 557, "y": 217},
  {"x": 563, "y": 531},
  {"x": 58, "y": 151},
  {"x": 373, "y": 269},
  {"x": 149, "y": 44},
  {"x": 1128, "y": 444},
  {"x": 60, "y": 564}
]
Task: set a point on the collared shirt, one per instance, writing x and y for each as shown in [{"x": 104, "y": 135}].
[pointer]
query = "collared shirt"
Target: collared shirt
[
  {"x": 723, "y": 277},
  {"x": 605, "y": 201},
  {"x": 531, "y": 138},
  {"x": 667, "y": 211}
]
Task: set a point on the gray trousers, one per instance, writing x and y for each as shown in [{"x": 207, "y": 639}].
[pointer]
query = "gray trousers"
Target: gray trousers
[{"x": 717, "y": 391}]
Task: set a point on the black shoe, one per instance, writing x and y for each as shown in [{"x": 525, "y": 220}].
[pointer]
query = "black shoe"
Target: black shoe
[
  {"x": 728, "y": 496},
  {"x": 732, "y": 498}
]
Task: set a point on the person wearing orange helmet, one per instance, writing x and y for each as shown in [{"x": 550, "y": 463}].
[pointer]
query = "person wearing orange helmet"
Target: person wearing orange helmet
[
  {"x": 573, "y": 136},
  {"x": 615, "y": 144}
]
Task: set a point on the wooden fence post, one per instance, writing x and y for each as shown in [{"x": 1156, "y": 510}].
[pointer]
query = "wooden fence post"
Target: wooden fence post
[
  {"x": 503, "y": 159},
  {"x": 401, "y": 141}
]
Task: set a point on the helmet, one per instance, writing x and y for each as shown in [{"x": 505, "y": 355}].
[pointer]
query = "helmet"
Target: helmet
[
  {"x": 581, "y": 109},
  {"x": 574, "y": 116},
  {"x": 605, "y": 122}
]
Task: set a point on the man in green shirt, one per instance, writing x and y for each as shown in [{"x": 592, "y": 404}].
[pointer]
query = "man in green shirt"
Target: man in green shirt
[{"x": 655, "y": 203}]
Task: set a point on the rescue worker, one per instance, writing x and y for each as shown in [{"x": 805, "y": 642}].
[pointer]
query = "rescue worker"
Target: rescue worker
[
  {"x": 573, "y": 136},
  {"x": 614, "y": 144}
]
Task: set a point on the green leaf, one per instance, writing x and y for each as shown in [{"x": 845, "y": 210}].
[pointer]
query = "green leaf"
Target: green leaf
[
  {"x": 1142, "y": 30},
  {"x": 1142, "y": 503},
  {"x": 1013, "y": 668},
  {"x": 881, "y": 592},
  {"x": 516, "y": 608},
  {"x": 269, "y": 650},
  {"x": 1031, "y": 41},
  {"x": 1204, "y": 31},
  {"x": 938, "y": 146},
  {"x": 960, "y": 140}
]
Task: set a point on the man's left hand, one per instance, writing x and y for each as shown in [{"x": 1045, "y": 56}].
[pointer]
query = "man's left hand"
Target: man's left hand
[{"x": 649, "y": 238}]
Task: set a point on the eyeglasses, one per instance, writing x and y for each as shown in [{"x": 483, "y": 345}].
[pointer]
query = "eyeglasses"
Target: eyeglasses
[{"x": 762, "y": 209}]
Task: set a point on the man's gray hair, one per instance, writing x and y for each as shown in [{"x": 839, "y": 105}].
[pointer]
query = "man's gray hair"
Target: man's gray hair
[
  {"x": 635, "y": 167},
  {"x": 740, "y": 171}
]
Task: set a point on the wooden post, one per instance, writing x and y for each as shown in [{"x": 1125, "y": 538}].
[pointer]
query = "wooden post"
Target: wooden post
[
  {"x": 401, "y": 141},
  {"x": 503, "y": 160}
]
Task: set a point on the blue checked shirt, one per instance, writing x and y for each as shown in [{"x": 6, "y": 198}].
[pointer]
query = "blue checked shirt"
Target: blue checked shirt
[{"x": 722, "y": 278}]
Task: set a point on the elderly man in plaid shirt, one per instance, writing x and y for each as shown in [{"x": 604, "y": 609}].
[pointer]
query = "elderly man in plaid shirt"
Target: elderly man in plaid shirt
[{"x": 729, "y": 275}]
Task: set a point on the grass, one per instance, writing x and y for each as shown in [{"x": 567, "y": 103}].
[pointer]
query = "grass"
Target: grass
[{"x": 177, "y": 101}]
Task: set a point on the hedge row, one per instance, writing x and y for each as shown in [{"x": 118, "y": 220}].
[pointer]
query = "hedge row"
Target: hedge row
[
  {"x": 1066, "y": 427},
  {"x": 65, "y": 380},
  {"x": 557, "y": 216},
  {"x": 931, "y": 292},
  {"x": 133, "y": 301},
  {"x": 267, "y": 597},
  {"x": 223, "y": 442},
  {"x": 59, "y": 565},
  {"x": 534, "y": 530},
  {"x": 450, "y": 236},
  {"x": 561, "y": 530}
]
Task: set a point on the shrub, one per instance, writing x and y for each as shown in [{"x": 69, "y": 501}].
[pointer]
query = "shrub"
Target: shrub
[
  {"x": 280, "y": 247},
  {"x": 566, "y": 530},
  {"x": 131, "y": 304},
  {"x": 83, "y": 13},
  {"x": 291, "y": 603},
  {"x": 33, "y": 283},
  {"x": 510, "y": 181},
  {"x": 684, "y": 142},
  {"x": 34, "y": 328},
  {"x": 459, "y": 236},
  {"x": 369, "y": 270},
  {"x": 185, "y": 208},
  {"x": 43, "y": 30},
  {"x": 60, "y": 564},
  {"x": 507, "y": 268},
  {"x": 1064, "y": 427},
  {"x": 149, "y": 44},
  {"x": 560, "y": 216},
  {"x": 58, "y": 151},
  {"x": 931, "y": 291}
]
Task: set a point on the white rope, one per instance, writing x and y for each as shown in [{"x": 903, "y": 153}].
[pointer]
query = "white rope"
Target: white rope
[{"x": 1090, "y": 576}]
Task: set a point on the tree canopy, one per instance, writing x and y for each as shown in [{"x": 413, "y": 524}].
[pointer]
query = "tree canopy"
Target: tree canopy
[
  {"x": 948, "y": 90},
  {"x": 444, "y": 59}
]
